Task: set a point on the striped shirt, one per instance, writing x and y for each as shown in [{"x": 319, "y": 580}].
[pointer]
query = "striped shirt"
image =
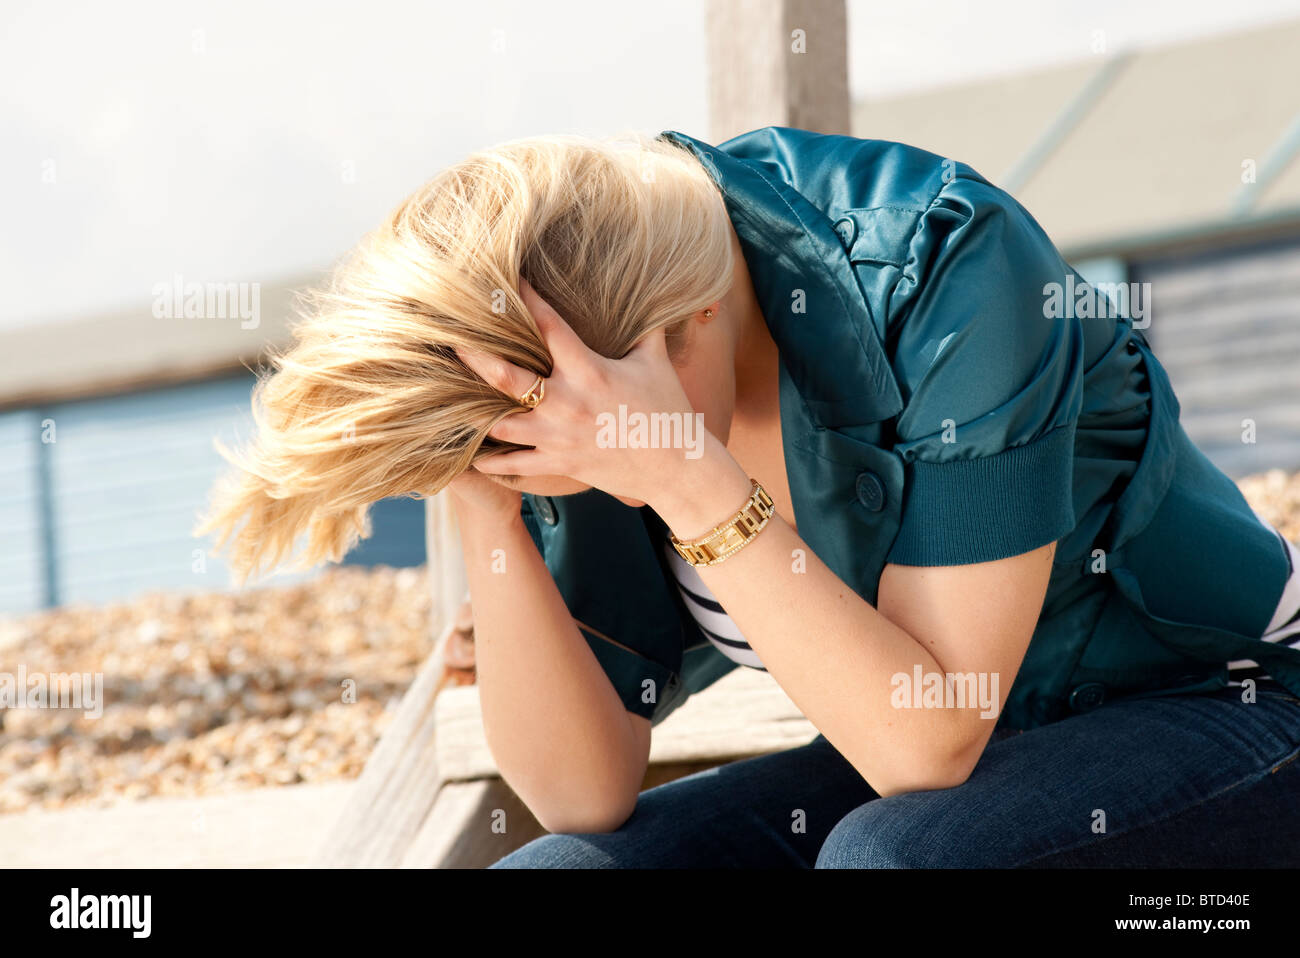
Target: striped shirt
[
  {"x": 709, "y": 614},
  {"x": 1284, "y": 628},
  {"x": 726, "y": 637}
]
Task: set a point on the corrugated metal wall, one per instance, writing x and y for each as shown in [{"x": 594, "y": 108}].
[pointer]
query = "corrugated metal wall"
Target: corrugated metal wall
[
  {"x": 129, "y": 474},
  {"x": 1226, "y": 325},
  {"x": 124, "y": 479},
  {"x": 22, "y": 555}
]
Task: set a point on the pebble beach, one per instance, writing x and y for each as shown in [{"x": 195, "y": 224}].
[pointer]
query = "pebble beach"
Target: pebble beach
[{"x": 214, "y": 692}]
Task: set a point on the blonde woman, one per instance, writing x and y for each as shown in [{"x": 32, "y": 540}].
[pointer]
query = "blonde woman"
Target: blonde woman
[{"x": 829, "y": 407}]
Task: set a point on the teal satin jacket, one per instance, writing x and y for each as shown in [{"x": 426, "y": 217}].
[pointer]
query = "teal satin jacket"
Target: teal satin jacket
[{"x": 934, "y": 412}]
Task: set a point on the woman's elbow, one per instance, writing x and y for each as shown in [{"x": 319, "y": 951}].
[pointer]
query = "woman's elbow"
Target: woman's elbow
[
  {"x": 939, "y": 771},
  {"x": 928, "y": 781},
  {"x": 593, "y": 820}
]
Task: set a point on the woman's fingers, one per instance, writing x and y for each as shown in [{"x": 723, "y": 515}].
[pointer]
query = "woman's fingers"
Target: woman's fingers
[
  {"x": 498, "y": 373},
  {"x": 517, "y": 428},
  {"x": 567, "y": 350},
  {"x": 566, "y": 346},
  {"x": 517, "y": 462}
]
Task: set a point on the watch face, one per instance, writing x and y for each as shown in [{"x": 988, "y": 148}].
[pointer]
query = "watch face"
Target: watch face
[{"x": 739, "y": 530}]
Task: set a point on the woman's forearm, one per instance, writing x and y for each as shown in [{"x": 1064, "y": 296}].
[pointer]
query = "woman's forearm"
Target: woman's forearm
[
  {"x": 555, "y": 725},
  {"x": 831, "y": 651}
]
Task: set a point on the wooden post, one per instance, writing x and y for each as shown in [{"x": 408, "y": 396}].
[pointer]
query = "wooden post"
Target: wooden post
[
  {"x": 777, "y": 63},
  {"x": 446, "y": 567}
]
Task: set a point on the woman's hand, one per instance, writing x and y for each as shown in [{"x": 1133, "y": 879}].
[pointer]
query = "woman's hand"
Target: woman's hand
[
  {"x": 574, "y": 430},
  {"x": 479, "y": 496}
]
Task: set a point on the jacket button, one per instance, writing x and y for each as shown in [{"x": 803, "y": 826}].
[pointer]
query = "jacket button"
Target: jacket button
[
  {"x": 871, "y": 491},
  {"x": 1087, "y": 696},
  {"x": 847, "y": 230},
  {"x": 1132, "y": 346},
  {"x": 546, "y": 509}
]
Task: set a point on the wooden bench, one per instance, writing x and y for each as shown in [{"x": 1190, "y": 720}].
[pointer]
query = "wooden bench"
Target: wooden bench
[{"x": 431, "y": 795}]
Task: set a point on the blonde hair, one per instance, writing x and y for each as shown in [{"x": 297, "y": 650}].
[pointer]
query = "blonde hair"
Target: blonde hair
[{"x": 621, "y": 236}]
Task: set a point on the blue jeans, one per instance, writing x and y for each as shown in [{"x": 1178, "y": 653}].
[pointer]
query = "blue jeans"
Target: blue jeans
[{"x": 1179, "y": 781}]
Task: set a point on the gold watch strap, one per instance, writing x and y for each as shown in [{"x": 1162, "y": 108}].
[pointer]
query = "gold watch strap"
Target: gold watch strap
[{"x": 731, "y": 536}]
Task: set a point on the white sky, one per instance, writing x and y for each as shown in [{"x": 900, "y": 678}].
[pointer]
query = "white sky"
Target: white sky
[{"x": 211, "y": 139}]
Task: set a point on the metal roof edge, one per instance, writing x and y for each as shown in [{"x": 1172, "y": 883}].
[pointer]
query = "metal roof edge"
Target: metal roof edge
[
  {"x": 1278, "y": 158},
  {"x": 1066, "y": 121},
  {"x": 1192, "y": 237}
]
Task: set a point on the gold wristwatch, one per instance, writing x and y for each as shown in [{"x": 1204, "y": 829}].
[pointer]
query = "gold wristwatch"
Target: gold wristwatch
[{"x": 731, "y": 536}]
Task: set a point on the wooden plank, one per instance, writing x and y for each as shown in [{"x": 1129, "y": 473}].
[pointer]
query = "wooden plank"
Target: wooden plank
[
  {"x": 399, "y": 783},
  {"x": 744, "y": 713},
  {"x": 472, "y": 825},
  {"x": 464, "y": 827}
]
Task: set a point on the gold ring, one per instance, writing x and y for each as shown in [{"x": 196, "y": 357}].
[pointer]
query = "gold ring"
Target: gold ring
[{"x": 536, "y": 392}]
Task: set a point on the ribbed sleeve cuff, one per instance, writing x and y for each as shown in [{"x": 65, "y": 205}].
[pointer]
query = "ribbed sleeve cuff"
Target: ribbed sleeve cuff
[{"x": 979, "y": 510}]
